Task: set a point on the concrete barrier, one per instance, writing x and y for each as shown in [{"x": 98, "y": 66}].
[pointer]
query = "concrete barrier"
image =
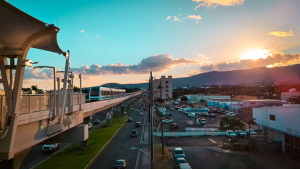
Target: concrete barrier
[{"x": 189, "y": 134}]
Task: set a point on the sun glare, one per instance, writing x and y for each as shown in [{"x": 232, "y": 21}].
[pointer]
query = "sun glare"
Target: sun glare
[{"x": 255, "y": 54}]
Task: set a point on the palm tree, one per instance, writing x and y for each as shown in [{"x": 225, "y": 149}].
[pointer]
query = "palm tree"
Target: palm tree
[
  {"x": 236, "y": 124},
  {"x": 224, "y": 123}
]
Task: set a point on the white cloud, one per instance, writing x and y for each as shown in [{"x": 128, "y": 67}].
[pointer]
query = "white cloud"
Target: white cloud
[
  {"x": 82, "y": 31},
  {"x": 169, "y": 17},
  {"x": 197, "y": 17},
  {"x": 176, "y": 19}
]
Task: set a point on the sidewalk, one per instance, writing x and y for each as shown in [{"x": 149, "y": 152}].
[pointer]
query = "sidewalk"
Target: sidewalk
[{"x": 144, "y": 159}]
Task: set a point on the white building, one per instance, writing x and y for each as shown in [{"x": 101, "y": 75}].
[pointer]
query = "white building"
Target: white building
[
  {"x": 261, "y": 103},
  {"x": 163, "y": 87},
  {"x": 291, "y": 94},
  {"x": 282, "y": 124},
  {"x": 197, "y": 98}
]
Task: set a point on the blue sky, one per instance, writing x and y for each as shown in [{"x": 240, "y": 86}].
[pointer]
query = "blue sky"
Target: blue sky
[{"x": 108, "y": 32}]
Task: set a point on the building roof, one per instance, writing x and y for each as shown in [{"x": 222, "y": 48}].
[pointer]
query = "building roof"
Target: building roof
[{"x": 18, "y": 31}]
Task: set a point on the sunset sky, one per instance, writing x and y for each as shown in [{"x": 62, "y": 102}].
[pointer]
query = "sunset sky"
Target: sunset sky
[{"x": 121, "y": 41}]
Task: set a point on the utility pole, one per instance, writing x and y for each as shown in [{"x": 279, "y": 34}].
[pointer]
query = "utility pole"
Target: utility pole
[
  {"x": 162, "y": 136},
  {"x": 152, "y": 111}
]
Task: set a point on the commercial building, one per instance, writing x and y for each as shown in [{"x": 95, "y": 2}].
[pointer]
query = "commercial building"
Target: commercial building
[
  {"x": 197, "y": 98},
  {"x": 163, "y": 87},
  {"x": 262, "y": 103},
  {"x": 224, "y": 104},
  {"x": 281, "y": 124},
  {"x": 287, "y": 96}
]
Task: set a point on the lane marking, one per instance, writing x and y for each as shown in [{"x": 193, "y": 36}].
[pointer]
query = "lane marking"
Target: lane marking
[
  {"x": 143, "y": 132},
  {"x": 212, "y": 140},
  {"x": 97, "y": 155}
]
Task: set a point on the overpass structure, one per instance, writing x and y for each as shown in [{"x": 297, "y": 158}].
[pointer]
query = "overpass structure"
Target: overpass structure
[{"x": 26, "y": 120}]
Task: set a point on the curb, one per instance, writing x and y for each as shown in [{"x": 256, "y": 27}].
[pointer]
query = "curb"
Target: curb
[{"x": 97, "y": 155}]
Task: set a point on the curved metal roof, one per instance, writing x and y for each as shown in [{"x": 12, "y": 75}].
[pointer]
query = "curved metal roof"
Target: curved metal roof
[{"x": 19, "y": 30}]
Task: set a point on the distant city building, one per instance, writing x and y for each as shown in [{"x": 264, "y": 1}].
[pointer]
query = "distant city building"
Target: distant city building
[
  {"x": 224, "y": 104},
  {"x": 286, "y": 96},
  {"x": 262, "y": 103},
  {"x": 281, "y": 124},
  {"x": 244, "y": 97},
  {"x": 163, "y": 87},
  {"x": 197, "y": 98}
]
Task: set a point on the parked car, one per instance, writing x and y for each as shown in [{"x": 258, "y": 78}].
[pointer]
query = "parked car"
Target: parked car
[
  {"x": 178, "y": 153},
  {"x": 174, "y": 126},
  {"x": 172, "y": 108},
  {"x": 203, "y": 121},
  {"x": 167, "y": 120},
  {"x": 120, "y": 164},
  {"x": 141, "y": 113},
  {"x": 129, "y": 120},
  {"x": 252, "y": 133},
  {"x": 134, "y": 133},
  {"x": 240, "y": 133},
  {"x": 230, "y": 133},
  {"x": 212, "y": 115},
  {"x": 203, "y": 115},
  {"x": 138, "y": 124},
  {"x": 185, "y": 166},
  {"x": 179, "y": 161},
  {"x": 232, "y": 114},
  {"x": 180, "y": 110},
  {"x": 90, "y": 126},
  {"x": 191, "y": 115},
  {"x": 50, "y": 147},
  {"x": 97, "y": 121}
]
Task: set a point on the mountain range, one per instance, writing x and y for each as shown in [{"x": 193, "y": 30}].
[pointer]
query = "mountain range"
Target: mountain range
[{"x": 255, "y": 75}]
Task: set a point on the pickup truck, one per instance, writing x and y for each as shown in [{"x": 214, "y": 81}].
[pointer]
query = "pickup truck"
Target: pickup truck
[{"x": 50, "y": 147}]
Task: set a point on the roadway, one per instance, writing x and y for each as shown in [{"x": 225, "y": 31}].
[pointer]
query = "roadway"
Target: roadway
[
  {"x": 120, "y": 146},
  {"x": 35, "y": 155}
]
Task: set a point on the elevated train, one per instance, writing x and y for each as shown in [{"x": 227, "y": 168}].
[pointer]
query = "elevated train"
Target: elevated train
[{"x": 98, "y": 93}]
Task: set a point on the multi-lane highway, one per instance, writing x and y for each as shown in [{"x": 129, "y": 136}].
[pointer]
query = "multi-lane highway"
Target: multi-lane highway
[{"x": 120, "y": 146}]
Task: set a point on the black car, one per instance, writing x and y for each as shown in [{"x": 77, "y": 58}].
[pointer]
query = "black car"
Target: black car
[
  {"x": 203, "y": 115},
  {"x": 134, "y": 133},
  {"x": 174, "y": 126},
  {"x": 129, "y": 120},
  {"x": 138, "y": 124},
  {"x": 212, "y": 115}
]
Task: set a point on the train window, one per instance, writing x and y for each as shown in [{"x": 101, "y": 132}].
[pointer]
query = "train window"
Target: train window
[{"x": 95, "y": 92}]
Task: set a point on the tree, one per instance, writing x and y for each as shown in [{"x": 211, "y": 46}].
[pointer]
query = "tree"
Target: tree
[
  {"x": 35, "y": 88},
  {"x": 202, "y": 101},
  {"x": 184, "y": 99},
  {"x": 236, "y": 124},
  {"x": 76, "y": 89},
  {"x": 224, "y": 123},
  {"x": 160, "y": 92},
  {"x": 250, "y": 122}
]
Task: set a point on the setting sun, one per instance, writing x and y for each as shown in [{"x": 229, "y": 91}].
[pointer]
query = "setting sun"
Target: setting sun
[{"x": 255, "y": 54}]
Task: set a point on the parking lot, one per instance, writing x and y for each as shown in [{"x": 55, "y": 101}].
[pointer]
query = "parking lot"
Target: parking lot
[{"x": 184, "y": 121}]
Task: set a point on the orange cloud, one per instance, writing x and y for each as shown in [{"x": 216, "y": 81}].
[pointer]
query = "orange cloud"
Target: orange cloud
[
  {"x": 169, "y": 17},
  {"x": 215, "y": 3},
  {"x": 176, "y": 19},
  {"x": 281, "y": 33}
]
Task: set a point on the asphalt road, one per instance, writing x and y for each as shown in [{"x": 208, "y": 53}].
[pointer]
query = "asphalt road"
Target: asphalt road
[
  {"x": 120, "y": 146},
  {"x": 36, "y": 155}
]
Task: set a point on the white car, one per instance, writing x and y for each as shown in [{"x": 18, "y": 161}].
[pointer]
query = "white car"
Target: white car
[
  {"x": 230, "y": 133},
  {"x": 232, "y": 114},
  {"x": 50, "y": 147},
  {"x": 167, "y": 121},
  {"x": 191, "y": 115},
  {"x": 203, "y": 121},
  {"x": 252, "y": 133},
  {"x": 180, "y": 110}
]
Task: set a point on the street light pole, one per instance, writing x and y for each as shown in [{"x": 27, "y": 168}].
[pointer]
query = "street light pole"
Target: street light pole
[{"x": 80, "y": 92}]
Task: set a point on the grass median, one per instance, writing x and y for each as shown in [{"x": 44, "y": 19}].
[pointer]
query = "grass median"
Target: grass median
[{"x": 76, "y": 157}]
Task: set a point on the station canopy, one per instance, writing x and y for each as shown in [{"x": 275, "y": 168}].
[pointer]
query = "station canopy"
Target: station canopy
[{"x": 17, "y": 28}]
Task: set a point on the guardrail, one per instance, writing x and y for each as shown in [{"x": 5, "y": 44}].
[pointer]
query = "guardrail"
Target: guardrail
[{"x": 189, "y": 134}]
